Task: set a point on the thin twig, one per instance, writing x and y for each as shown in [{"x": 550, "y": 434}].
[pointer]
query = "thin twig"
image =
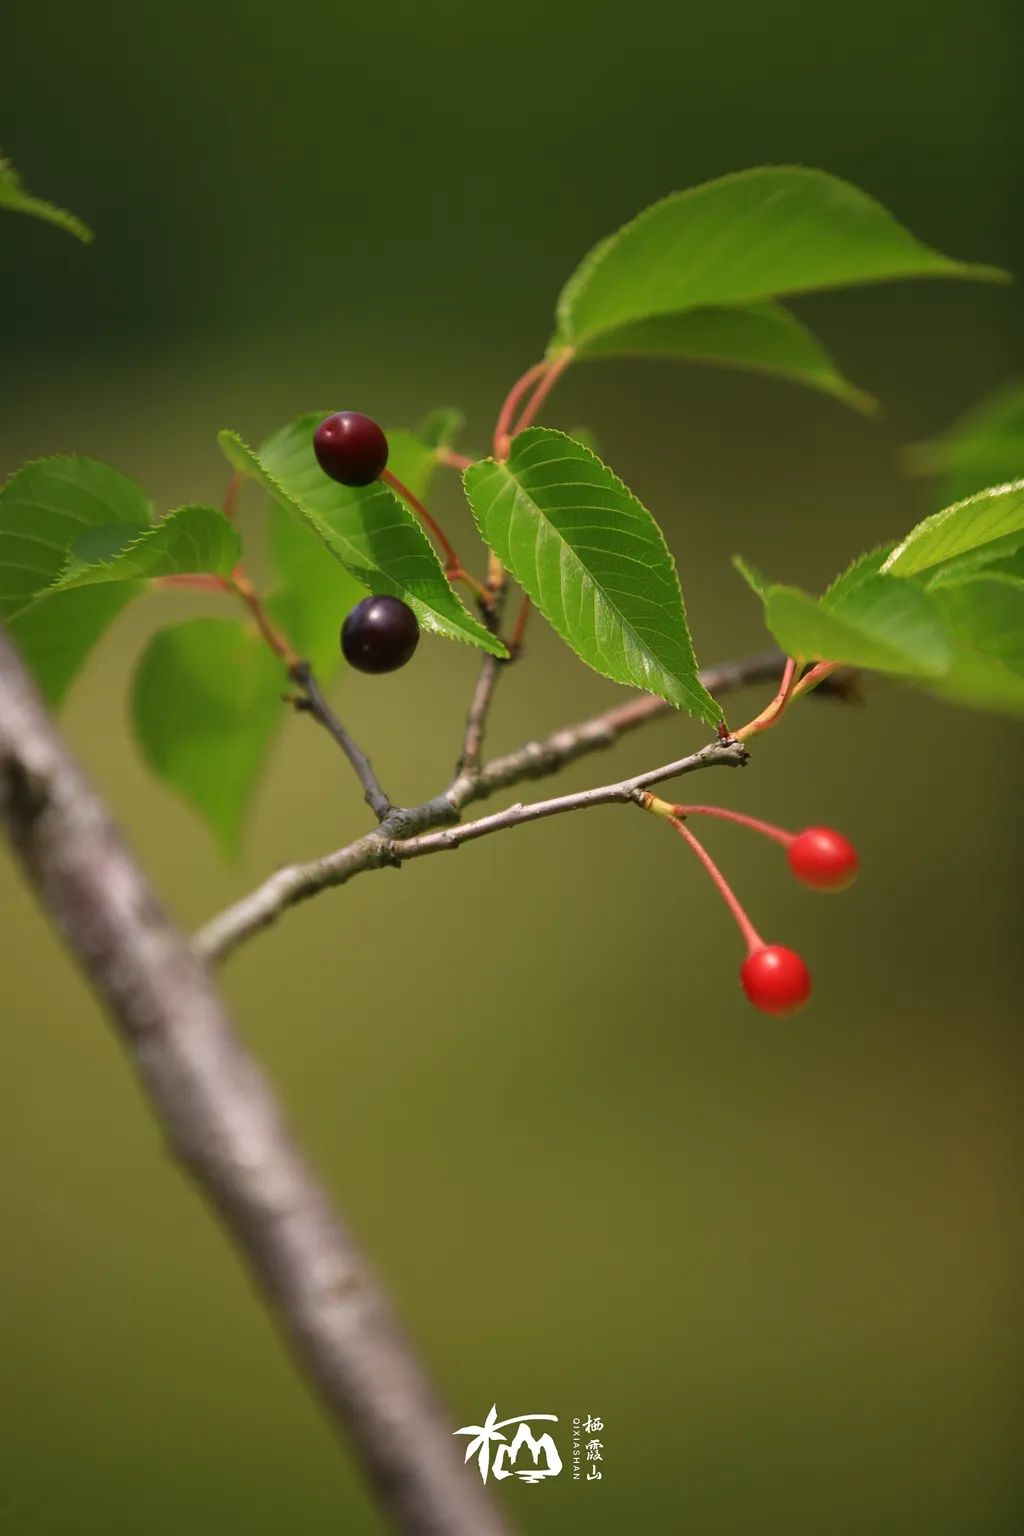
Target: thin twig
[
  {"x": 476, "y": 721},
  {"x": 407, "y": 834},
  {"x": 453, "y": 460},
  {"x": 239, "y": 583},
  {"x": 818, "y": 676},
  {"x": 503, "y": 425},
  {"x": 718, "y": 754},
  {"x": 426, "y": 518},
  {"x": 556, "y": 367},
  {"x": 234, "y": 485},
  {"x": 313, "y": 702},
  {"x": 539, "y": 759},
  {"x": 533, "y": 760},
  {"x": 491, "y": 668},
  {"x": 773, "y": 713},
  {"x": 226, "y": 1129},
  {"x": 453, "y": 566},
  {"x": 515, "y": 644}
]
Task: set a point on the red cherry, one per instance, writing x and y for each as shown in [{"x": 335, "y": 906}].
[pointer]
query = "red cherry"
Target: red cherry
[
  {"x": 823, "y": 858},
  {"x": 776, "y": 980},
  {"x": 350, "y": 447}
]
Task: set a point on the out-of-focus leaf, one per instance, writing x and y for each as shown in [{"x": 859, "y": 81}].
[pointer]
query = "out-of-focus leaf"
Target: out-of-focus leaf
[
  {"x": 44, "y": 509},
  {"x": 438, "y": 429},
  {"x": 206, "y": 702},
  {"x": 980, "y": 682},
  {"x": 880, "y": 623},
  {"x": 15, "y": 199},
  {"x": 993, "y": 515},
  {"x": 986, "y": 612},
  {"x": 56, "y": 633},
  {"x": 985, "y": 448},
  {"x": 765, "y": 338},
  {"x": 189, "y": 540}
]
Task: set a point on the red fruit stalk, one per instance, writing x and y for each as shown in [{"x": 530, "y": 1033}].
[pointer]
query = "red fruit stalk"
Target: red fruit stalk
[
  {"x": 819, "y": 856},
  {"x": 774, "y": 978}
]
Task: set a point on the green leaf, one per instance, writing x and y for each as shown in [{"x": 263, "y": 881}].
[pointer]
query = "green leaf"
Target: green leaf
[
  {"x": 588, "y": 438},
  {"x": 206, "y": 702},
  {"x": 758, "y": 584},
  {"x": 1000, "y": 556},
  {"x": 56, "y": 633},
  {"x": 594, "y": 562},
  {"x": 739, "y": 240},
  {"x": 15, "y": 199},
  {"x": 764, "y": 337},
  {"x": 188, "y": 541},
  {"x": 993, "y": 515},
  {"x": 879, "y": 622},
  {"x": 373, "y": 534},
  {"x": 868, "y": 564},
  {"x": 980, "y": 682},
  {"x": 985, "y": 448},
  {"x": 44, "y": 508},
  {"x": 986, "y": 612},
  {"x": 315, "y": 591},
  {"x": 438, "y": 429}
]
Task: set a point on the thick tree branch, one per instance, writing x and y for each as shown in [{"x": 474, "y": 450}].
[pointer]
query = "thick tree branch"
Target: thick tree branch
[{"x": 223, "y": 1124}]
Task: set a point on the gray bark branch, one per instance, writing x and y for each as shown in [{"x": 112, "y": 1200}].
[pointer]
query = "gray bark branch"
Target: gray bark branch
[{"x": 223, "y": 1124}]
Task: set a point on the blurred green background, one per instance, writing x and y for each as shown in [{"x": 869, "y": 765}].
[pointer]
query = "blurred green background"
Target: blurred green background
[{"x": 782, "y": 1261}]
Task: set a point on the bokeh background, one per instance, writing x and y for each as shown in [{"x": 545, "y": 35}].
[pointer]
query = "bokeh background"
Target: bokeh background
[{"x": 782, "y": 1261}]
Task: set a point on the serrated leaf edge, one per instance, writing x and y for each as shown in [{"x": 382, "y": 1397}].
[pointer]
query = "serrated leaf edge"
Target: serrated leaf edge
[{"x": 598, "y": 254}]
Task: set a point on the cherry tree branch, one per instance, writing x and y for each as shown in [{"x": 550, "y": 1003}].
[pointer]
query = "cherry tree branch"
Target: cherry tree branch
[
  {"x": 539, "y": 759},
  {"x": 224, "y": 1126},
  {"x": 479, "y": 709},
  {"x": 407, "y": 834},
  {"x": 313, "y": 702}
]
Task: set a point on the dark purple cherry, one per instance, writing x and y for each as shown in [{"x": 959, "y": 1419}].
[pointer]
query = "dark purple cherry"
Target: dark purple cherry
[
  {"x": 379, "y": 635},
  {"x": 350, "y": 448}
]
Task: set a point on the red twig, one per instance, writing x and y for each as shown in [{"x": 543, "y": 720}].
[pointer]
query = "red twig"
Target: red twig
[
  {"x": 817, "y": 674},
  {"x": 231, "y": 494},
  {"x": 515, "y": 644},
  {"x": 453, "y": 567},
  {"x": 774, "y": 712},
  {"x": 502, "y": 435},
  {"x": 241, "y": 585},
  {"x": 556, "y": 367},
  {"x": 452, "y": 459}
]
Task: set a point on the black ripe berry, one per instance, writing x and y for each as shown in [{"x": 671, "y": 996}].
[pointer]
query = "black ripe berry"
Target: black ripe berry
[
  {"x": 350, "y": 448},
  {"x": 379, "y": 635}
]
